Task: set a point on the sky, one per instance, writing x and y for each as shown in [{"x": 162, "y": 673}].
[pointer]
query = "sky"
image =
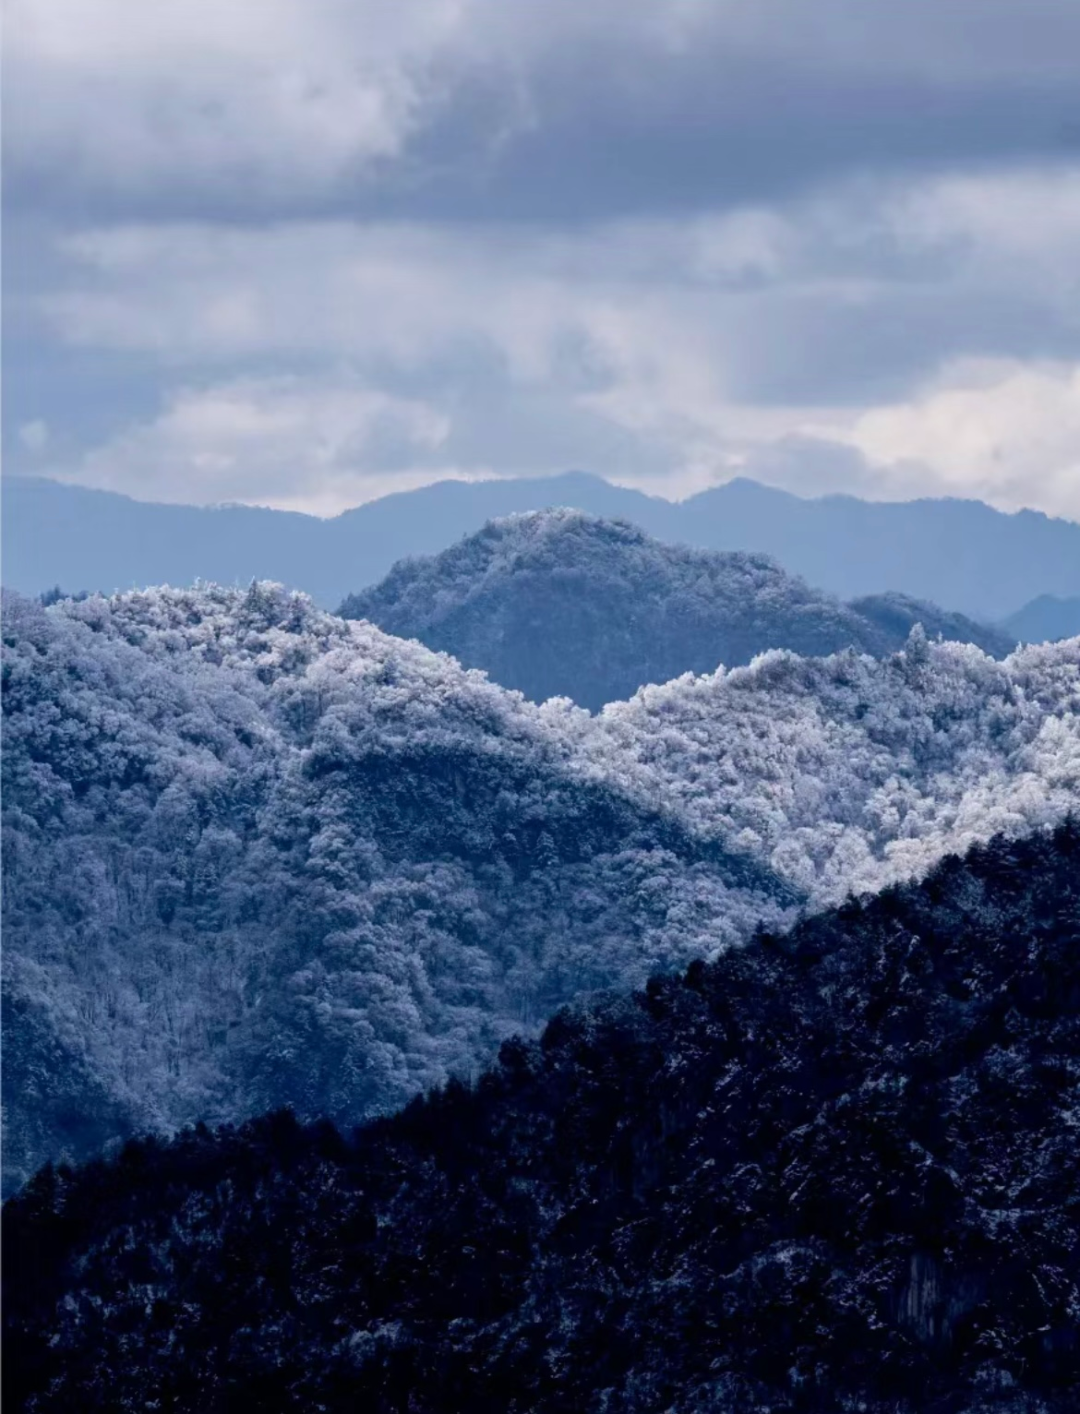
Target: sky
[{"x": 303, "y": 253}]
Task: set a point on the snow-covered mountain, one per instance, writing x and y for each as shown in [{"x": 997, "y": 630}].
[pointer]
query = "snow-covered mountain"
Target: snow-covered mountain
[
  {"x": 256, "y": 854},
  {"x": 562, "y": 604},
  {"x": 848, "y": 773}
]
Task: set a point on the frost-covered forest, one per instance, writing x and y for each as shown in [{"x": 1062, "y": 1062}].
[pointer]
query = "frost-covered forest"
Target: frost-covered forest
[
  {"x": 832, "y": 1173},
  {"x": 846, "y": 773},
  {"x": 257, "y": 855},
  {"x": 561, "y": 604}
]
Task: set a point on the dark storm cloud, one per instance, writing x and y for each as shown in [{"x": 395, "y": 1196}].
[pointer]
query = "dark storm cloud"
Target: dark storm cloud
[
  {"x": 637, "y": 108},
  {"x": 678, "y": 135}
]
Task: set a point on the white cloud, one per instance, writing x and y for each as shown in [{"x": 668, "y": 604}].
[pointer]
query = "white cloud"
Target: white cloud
[
  {"x": 310, "y": 444},
  {"x": 1004, "y": 433},
  {"x": 34, "y": 435},
  {"x": 206, "y": 93}
]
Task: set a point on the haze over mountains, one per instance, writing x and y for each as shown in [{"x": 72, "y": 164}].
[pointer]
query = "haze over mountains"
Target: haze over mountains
[
  {"x": 559, "y": 603},
  {"x": 960, "y": 554},
  {"x": 1045, "y": 620}
]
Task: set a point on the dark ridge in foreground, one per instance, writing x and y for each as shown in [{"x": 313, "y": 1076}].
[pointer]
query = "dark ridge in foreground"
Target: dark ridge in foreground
[{"x": 833, "y": 1171}]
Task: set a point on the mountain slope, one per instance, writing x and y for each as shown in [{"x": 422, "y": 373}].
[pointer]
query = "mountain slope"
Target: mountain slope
[
  {"x": 1045, "y": 620},
  {"x": 895, "y": 615},
  {"x": 964, "y": 554},
  {"x": 833, "y": 1171},
  {"x": 961, "y": 553},
  {"x": 848, "y": 773},
  {"x": 255, "y": 855},
  {"x": 561, "y": 604}
]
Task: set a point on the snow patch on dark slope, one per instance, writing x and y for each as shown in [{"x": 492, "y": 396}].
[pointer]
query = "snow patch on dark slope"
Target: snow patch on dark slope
[
  {"x": 834, "y": 1171},
  {"x": 561, "y": 604}
]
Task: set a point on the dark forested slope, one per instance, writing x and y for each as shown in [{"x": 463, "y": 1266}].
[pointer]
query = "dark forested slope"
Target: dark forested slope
[
  {"x": 832, "y": 1171},
  {"x": 561, "y": 604}
]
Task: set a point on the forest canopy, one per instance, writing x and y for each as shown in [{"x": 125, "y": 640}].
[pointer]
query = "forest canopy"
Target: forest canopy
[
  {"x": 832, "y": 1170},
  {"x": 257, "y": 855}
]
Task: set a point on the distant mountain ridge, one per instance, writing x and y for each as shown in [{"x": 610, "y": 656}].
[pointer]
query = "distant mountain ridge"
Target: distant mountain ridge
[
  {"x": 960, "y": 554},
  {"x": 1045, "y": 620},
  {"x": 563, "y": 604}
]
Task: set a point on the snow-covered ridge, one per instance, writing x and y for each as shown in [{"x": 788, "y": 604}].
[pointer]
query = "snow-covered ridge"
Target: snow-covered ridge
[
  {"x": 841, "y": 773},
  {"x": 256, "y": 854},
  {"x": 846, "y": 773}
]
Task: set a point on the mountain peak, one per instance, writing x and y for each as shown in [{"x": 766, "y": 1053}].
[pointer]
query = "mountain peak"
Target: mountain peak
[{"x": 561, "y": 603}]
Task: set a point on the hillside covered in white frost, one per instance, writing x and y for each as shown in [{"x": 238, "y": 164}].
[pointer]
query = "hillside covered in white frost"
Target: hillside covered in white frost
[
  {"x": 258, "y": 855},
  {"x": 845, "y": 773}
]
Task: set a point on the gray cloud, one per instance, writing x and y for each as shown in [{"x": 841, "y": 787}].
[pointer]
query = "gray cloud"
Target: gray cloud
[
  {"x": 352, "y": 245},
  {"x": 844, "y": 298},
  {"x": 482, "y": 111}
]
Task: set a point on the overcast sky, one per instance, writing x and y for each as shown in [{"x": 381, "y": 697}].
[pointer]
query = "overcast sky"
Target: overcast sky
[{"x": 303, "y": 253}]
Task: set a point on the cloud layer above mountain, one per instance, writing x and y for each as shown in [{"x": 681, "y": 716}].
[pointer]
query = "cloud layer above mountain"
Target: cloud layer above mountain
[{"x": 306, "y": 254}]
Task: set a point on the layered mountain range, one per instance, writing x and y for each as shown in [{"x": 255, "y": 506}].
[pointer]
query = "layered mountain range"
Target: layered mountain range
[
  {"x": 562, "y": 604},
  {"x": 834, "y": 1170},
  {"x": 961, "y": 554},
  {"x": 256, "y": 854}
]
